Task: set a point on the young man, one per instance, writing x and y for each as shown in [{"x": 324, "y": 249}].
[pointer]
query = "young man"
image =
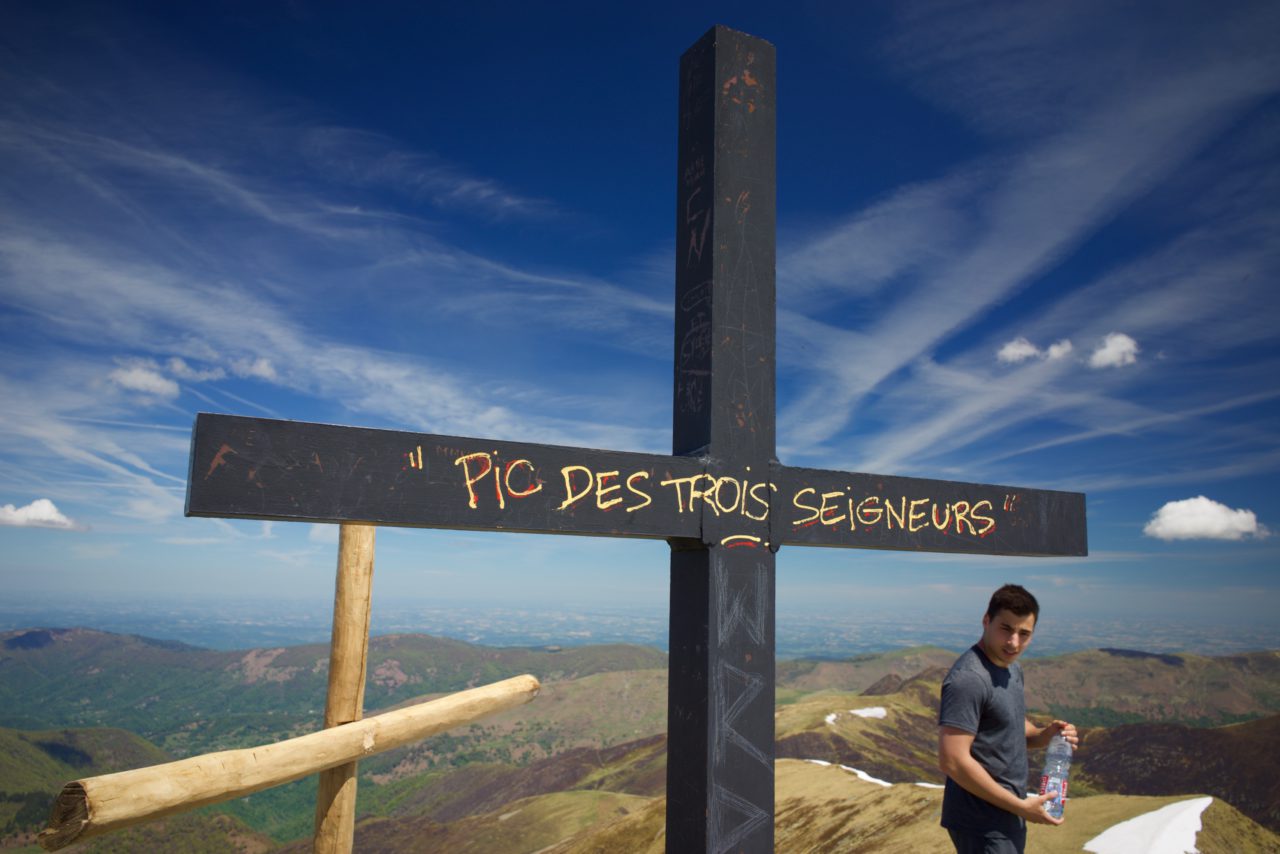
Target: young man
[{"x": 983, "y": 734}]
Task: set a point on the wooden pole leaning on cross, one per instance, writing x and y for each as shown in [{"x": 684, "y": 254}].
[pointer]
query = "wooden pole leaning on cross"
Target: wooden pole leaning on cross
[
  {"x": 721, "y": 500},
  {"x": 97, "y": 805}
]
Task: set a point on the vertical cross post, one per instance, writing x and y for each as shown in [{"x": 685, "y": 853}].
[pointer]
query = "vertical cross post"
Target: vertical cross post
[{"x": 721, "y": 694}]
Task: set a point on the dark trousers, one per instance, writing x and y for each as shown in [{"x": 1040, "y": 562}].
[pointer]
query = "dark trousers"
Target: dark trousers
[{"x": 989, "y": 842}]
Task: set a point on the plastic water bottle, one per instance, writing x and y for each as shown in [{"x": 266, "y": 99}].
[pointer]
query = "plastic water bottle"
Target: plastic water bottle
[{"x": 1057, "y": 763}]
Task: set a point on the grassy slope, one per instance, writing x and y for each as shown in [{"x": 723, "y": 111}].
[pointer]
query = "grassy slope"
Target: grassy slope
[
  {"x": 1225, "y": 829},
  {"x": 860, "y": 672},
  {"x": 598, "y": 710},
  {"x": 638, "y": 768},
  {"x": 526, "y": 825},
  {"x": 830, "y": 810},
  {"x": 34, "y": 765},
  {"x": 821, "y": 808},
  {"x": 899, "y": 748}
]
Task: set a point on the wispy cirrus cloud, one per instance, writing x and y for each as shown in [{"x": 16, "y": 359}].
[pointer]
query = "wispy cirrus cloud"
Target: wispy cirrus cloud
[
  {"x": 1065, "y": 173},
  {"x": 912, "y": 229},
  {"x": 366, "y": 159},
  {"x": 190, "y": 329}
]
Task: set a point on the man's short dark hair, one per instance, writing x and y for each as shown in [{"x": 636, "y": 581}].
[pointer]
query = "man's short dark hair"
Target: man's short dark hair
[{"x": 1016, "y": 599}]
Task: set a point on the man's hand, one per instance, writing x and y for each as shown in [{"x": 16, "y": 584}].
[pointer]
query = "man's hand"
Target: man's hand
[
  {"x": 1068, "y": 731},
  {"x": 1040, "y": 736},
  {"x": 1032, "y": 809}
]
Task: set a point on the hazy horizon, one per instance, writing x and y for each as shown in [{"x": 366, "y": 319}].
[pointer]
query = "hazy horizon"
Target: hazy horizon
[{"x": 230, "y": 623}]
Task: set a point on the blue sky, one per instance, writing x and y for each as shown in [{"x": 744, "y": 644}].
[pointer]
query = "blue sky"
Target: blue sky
[{"x": 1030, "y": 245}]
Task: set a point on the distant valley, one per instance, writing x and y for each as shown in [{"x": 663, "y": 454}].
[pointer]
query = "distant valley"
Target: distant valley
[{"x": 587, "y": 757}]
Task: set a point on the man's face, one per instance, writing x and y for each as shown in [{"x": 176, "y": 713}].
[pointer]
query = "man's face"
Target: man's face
[{"x": 1006, "y": 635}]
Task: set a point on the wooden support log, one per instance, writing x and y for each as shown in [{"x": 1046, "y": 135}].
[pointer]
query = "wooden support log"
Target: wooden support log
[
  {"x": 335, "y": 822},
  {"x": 97, "y": 805}
]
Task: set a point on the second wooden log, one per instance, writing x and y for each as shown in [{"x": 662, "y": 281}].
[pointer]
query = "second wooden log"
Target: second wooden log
[{"x": 348, "y": 658}]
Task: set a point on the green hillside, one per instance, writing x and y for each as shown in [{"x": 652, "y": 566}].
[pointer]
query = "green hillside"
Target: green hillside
[
  {"x": 860, "y": 672},
  {"x": 193, "y": 833},
  {"x": 191, "y": 700},
  {"x": 1235, "y": 763},
  {"x": 35, "y": 764},
  {"x": 598, "y": 710},
  {"x": 1111, "y": 687}
]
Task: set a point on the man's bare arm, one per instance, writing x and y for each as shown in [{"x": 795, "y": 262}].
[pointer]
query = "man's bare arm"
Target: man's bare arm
[{"x": 955, "y": 759}]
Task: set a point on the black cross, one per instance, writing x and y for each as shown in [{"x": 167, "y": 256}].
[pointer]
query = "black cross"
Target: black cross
[{"x": 723, "y": 501}]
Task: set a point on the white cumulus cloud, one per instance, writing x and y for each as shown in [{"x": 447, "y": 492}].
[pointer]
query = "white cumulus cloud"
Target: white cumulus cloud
[
  {"x": 144, "y": 379},
  {"x": 1017, "y": 350},
  {"x": 1020, "y": 350},
  {"x": 41, "y": 513},
  {"x": 1059, "y": 350},
  {"x": 1116, "y": 350},
  {"x": 261, "y": 368},
  {"x": 183, "y": 371},
  {"x": 1202, "y": 518}
]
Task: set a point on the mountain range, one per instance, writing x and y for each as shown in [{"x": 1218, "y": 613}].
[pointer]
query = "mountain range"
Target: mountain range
[{"x": 584, "y": 763}]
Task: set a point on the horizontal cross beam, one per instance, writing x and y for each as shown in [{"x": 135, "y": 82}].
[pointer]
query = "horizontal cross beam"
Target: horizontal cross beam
[{"x": 258, "y": 468}]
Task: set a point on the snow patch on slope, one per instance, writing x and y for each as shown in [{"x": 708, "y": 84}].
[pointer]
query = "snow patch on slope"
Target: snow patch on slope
[{"x": 1168, "y": 830}]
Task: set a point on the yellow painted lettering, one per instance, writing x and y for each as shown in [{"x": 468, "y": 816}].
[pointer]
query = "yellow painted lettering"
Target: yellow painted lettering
[
  {"x": 961, "y": 509},
  {"x": 990, "y": 522},
  {"x": 535, "y": 485},
  {"x": 914, "y": 515},
  {"x": 677, "y": 482},
  {"x": 709, "y": 497},
  {"x": 737, "y": 494},
  {"x": 763, "y": 502},
  {"x": 497, "y": 482},
  {"x": 816, "y": 513},
  {"x": 472, "y": 480},
  {"x": 602, "y": 490},
  {"x": 900, "y": 515},
  {"x": 572, "y": 497},
  {"x": 824, "y": 509},
  {"x": 631, "y": 486},
  {"x": 870, "y": 515}
]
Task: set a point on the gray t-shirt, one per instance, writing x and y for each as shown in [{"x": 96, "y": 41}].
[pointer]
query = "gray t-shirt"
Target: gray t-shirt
[{"x": 986, "y": 700}]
